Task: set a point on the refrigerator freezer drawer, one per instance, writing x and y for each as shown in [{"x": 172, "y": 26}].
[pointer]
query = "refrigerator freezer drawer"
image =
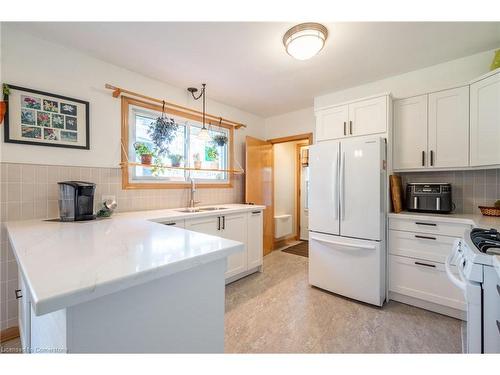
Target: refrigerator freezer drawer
[{"x": 350, "y": 267}]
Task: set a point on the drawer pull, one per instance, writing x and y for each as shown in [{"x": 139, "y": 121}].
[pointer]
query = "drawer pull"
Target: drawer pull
[
  {"x": 18, "y": 293},
  {"x": 169, "y": 223},
  {"x": 428, "y": 224},
  {"x": 425, "y": 264},
  {"x": 498, "y": 289},
  {"x": 425, "y": 237},
  {"x": 255, "y": 212}
]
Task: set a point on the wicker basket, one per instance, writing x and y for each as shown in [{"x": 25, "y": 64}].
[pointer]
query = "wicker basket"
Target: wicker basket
[{"x": 490, "y": 211}]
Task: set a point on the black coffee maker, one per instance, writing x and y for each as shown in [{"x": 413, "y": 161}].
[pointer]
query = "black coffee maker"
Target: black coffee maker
[{"x": 76, "y": 200}]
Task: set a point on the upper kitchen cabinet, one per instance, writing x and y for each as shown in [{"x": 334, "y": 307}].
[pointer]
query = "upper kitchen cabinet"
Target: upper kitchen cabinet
[
  {"x": 485, "y": 121},
  {"x": 368, "y": 116},
  {"x": 432, "y": 130},
  {"x": 331, "y": 123},
  {"x": 362, "y": 117},
  {"x": 449, "y": 128},
  {"x": 410, "y": 133}
]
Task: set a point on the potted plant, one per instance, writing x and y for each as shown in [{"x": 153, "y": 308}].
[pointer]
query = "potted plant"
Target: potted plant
[
  {"x": 175, "y": 159},
  {"x": 219, "y": 140},
  {"x": 3, "y": 103},
  {"x": 162, "y": 132},
  {"x": 212, "y": 155},
  {"x": 144, "y": 152},
  {"x": 197, "y": 160}
]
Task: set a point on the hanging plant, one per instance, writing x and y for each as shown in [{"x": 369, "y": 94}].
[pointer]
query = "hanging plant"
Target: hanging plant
[
  {"x": 162, "y": 132},
  {"x": 219, "y": 140}
]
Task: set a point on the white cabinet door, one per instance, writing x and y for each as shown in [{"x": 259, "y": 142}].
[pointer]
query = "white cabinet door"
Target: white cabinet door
[
  {"x": 254, "y": 244},
  {"x": 331, "y": 123},
  {"x": 234, "y": 227},
  {"x": 24, "y": 317},
  {"x": 485, "y": 121},
  {"x": 410, "y": 133},
  {"x": 368, "y": 116},
  {"x": 207, "y": 225},
  {"x": 449, "y": 128}
]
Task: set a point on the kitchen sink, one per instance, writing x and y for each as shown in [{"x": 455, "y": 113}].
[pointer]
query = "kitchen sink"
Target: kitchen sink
[
  {"x": 201, "y": 209},
  {"x": 189, "y": 210},
  {"x": 212, "y": 208}
]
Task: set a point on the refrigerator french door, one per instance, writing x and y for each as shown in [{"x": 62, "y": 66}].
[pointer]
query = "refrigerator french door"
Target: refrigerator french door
[{"x": 347, "y": 218}]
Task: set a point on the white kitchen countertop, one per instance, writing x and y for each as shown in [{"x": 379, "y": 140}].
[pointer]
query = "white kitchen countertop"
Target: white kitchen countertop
[
  {"x": 68, "y": 263},
  {"x": 476, "y": 220}
]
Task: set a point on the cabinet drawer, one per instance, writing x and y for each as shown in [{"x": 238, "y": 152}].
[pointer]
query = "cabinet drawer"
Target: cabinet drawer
[
  {"x": 420, "y": 245},
  {"x": 425, "y": 280},
  {"x": 426, "y": 225}
]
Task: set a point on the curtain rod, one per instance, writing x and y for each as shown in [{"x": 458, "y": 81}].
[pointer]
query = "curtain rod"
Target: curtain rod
[{"x": 117, "y": 91}]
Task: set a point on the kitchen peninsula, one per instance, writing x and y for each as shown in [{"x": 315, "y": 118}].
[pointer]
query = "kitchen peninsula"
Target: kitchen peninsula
[{"x": 125, "y": 284}]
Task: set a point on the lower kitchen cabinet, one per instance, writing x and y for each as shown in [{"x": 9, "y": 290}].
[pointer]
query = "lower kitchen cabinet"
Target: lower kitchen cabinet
[
  {"x": 246, "y": 227},
  {"x": 417, "y": 253},
  {"x": 24, "y": 317},
  {"x": 255, "y": 239}
]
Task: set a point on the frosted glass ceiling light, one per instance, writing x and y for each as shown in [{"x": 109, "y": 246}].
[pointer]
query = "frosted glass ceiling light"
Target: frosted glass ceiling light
[{"x": 305, "y": 40}]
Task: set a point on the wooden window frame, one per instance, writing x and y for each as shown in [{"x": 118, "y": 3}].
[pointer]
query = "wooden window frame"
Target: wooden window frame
[{"x": 127, "y": 184}]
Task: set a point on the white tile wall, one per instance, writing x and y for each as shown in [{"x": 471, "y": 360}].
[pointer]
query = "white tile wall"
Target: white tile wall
[{"x": 31, "y": 192}]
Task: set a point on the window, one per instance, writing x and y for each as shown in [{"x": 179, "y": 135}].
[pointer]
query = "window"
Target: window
[{"x": 189, "y": 155}]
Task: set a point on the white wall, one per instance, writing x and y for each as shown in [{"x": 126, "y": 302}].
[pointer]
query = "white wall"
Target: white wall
[
  {"x": 35, "y": 63},
  {"x": 290, "y": 123},
  {"x": 436, "y": 77},
  {"x": 433, "y": 78},
  {"x": 285, "y": 183}
]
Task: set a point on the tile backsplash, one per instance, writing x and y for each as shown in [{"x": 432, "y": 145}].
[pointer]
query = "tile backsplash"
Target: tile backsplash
[
  {"x": 29, "y": 191},
  {"x": 469, "y": 188}
]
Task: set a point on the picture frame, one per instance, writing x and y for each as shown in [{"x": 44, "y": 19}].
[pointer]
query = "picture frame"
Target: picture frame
[{"x": 40, "y": 118}]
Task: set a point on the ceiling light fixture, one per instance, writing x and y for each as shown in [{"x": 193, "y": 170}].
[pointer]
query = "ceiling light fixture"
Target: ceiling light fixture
[
  {"x": 204, "y": 135},
  {"x": 305, "y": 40}
]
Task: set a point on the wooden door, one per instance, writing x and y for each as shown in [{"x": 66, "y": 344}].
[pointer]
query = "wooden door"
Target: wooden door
[
  {"x": 484, "y": 121},
  {"x": 331, "y": 123},
  {"x": 259, "y": 183},
  {"x": 449, "y": 128},
  {"x": 410, "y": 133},
  {"x": 368, "y": 116}
]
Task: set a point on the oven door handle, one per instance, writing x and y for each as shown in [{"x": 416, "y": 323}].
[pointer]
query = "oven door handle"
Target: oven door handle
[{"x": 459, "y": 283}]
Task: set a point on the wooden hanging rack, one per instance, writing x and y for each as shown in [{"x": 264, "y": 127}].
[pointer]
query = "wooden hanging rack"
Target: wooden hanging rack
[
  {"x": 118, "y": 91},
  {"x": 164, "y": 166}
]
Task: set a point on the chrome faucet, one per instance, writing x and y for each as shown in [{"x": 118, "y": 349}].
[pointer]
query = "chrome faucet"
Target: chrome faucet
[{"x": 192, "y": 201}]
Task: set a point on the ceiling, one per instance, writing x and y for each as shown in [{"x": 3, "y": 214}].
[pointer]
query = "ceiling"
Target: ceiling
[{"x": 246, "y": 66}]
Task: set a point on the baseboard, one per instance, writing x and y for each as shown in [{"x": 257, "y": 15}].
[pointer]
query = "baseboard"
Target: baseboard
[
  {"x": 243, "y": 274},
  {"x": 9, "y": 334},
  {"x": 426, "y": 305}
]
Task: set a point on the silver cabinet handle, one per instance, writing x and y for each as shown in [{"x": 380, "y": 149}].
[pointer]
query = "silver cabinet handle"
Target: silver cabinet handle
[
  {"x": 169, "y": 223},
  {"x": 345, "y": 128},
  {"x": 18, "y": 293},
  {"x": 350, "y": 127},
  {"x": 432, "y": 158},
  {"x": 223, "y": 222},
  {"x": 218, "y": 222},
  {"x": 425, "y": 237},
  {"x": 255, "y": 212},
  {"x": 423, "y": 158}
]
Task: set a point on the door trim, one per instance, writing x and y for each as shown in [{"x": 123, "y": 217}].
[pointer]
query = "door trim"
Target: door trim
[{"x": 308, "y": 140}]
